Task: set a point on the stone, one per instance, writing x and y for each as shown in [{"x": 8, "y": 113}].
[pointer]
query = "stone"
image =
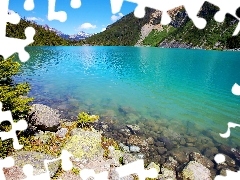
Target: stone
[
  {"x": 167, "y": 142},
  {"x": 134, "y": 149},
  {"x": 210, "y": 152},
  {"x": 36, "y": 159},
  {"x": 128, "y": 158},
  {"x": 190, "y": 139},
  {"x": 138, "y": 141},
  {"x": 133, "y": 128},
  {"x": 44, "y": 117},
  {"x": 179, "y": 155},
  {"x": 153, "y": 165},
  {"x": 161, "y": 150},
  {"x": 182, "y": 141},
  {"x": 61, "y": 133},
  {"x": 196, "y": 171},
  {"x": 201, "y": 159},
  {"x": 85, "y": 145},
  {"x": 150, "y": 141},
  {"x": 44, "y": 137},
  {"x": 170, "y": 164},
  {"x": 171, "y": 134},
  {"x": 125, "y": 132},
  {"x": 124, "y": 148},
  {"x": 167, "y": 174},
  {"x": 159, "y": 144}
]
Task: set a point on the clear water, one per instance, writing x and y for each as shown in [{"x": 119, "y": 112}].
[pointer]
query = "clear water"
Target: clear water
[{"x": 174, "y": 84}]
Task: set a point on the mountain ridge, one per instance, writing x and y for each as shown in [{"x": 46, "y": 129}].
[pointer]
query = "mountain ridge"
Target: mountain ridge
[{"x": 180, "y": 33}]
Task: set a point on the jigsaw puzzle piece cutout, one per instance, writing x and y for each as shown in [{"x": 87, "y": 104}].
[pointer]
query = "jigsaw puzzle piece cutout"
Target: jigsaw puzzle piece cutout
[
  {"x": 236, "y": 89},
  {"x": 18, "y": 126},
  {"x": 193, "y": 8},
  {"x": 75, "y": 4},
  {"x": 139, "y": 11},
  {"x": 13, "y": 45},
  {"x": 116, "y": 6},
  {"x": 227, "y": 7},
  {"x": 13, "y": 18},
  {"x": 65, "y": 158},
  {"x": 230, "y": 19},
  {"x": 66, "y": 162},
  {"x": 55, "y": 15},
  {"x": 5, "y": 163},
  {"x": 29, "y": 5},
  {"x": 66, "y": 166},
  {"x": 87, "y": 173},
  {"x": 137, "y": 167},
  {"x": 28, "y": 171}
]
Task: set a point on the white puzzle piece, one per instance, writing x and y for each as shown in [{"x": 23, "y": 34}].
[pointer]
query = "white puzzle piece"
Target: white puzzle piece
[
  {"x": 18, "y": 126},
  {"x": 192, "y": 8}
]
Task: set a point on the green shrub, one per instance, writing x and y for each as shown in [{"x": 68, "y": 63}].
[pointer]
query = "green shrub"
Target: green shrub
[
  {"x": 13, "y": 98},
  {"x": 85, "y": 120}
]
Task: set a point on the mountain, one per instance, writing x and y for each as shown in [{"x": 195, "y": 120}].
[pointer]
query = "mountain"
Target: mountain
[
  {"x": 76, "y": 37},
  {"x": 44, "y": 36},
  {"x": 180, "y": 33}
]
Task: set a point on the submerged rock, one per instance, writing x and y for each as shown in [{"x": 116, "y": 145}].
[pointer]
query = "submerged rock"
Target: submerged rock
[
  {"x": 167, "y": 142},
  {"x": 134, "y": 149},
  {"x": 124, "y": 148},
  {"x": 133, "y": 128},
  {"x": 138, "y": 141},
  {"x": 153, "y": 165}
]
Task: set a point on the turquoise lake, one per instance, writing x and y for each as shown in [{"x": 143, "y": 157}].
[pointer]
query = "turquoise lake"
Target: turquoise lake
[{"x": 176, "y": 85}]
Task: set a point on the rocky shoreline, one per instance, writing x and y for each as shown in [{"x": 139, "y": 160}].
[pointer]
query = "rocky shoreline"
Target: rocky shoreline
[{"x": 109, "y": 144}]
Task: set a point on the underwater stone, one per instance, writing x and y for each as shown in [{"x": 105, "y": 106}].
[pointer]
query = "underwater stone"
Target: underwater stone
[
  {"x": 134, "y": 149},
  {"x": 153, "y": 165},
  {"x": 124, "y": 148}
]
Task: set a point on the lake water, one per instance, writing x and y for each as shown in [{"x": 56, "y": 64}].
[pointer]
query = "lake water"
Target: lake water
[{"x": 174, "y": 85}]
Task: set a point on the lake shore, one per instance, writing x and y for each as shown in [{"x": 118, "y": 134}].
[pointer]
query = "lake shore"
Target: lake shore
[{"x": 106, "y": 144}]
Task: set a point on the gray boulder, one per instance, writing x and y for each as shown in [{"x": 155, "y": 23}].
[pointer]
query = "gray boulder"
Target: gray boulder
[
  {"x": 196, "y": 171},
  {"x": 44, "y": 117}
]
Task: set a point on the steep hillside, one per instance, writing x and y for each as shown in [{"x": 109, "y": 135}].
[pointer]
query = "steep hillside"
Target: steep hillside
[
  {"x": 213, "y": 36},
  {"x": 181, "y": 32},
  {"x": 125, "y": 31},
  {"x": 43, "y": 37}
]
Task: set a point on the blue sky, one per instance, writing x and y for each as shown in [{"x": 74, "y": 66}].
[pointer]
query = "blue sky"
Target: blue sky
[{"x": 92, "y": 17}]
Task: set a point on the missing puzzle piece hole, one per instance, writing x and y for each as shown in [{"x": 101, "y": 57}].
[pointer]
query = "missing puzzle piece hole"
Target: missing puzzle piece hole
[
  {"x": 28, "y": 170},
  {"x": 219, "y": 16},
  {"x": 7, "y": 162},
  {"x": 139, "y": 11},
  {"x": 165, "y": 18}
]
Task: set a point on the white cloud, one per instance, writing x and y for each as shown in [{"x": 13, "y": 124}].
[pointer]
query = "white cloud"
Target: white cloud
[
  {"x": 87, "y": 26},
  {"x": 34, "y": 19},
  {"x": 103, "y": 29},
  {"x": 116, "y": 17}
]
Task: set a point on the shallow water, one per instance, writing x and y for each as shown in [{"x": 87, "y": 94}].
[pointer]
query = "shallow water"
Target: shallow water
[{"x": 133, "y": 84}]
